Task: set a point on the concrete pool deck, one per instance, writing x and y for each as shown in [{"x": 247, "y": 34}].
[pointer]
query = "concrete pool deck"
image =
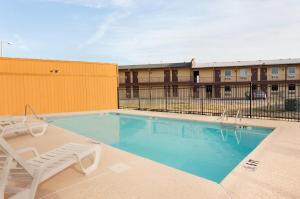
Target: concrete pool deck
[{"x": 124, "y": 175}]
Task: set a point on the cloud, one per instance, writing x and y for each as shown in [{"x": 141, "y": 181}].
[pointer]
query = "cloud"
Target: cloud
[
  {"x": 96, "y": 3},
  {"x": 144, "y": 31},
  {"x": 209, "y": 30},
  {"x": 20, "y": 43},
  {"x": 103, "y": 27}
]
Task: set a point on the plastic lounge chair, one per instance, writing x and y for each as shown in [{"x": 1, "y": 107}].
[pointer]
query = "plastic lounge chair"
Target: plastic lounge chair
[
  {"x": 29, "y": 126},
  {"x": 20, "y": 177},
  {"x": 8, "y": 120}
]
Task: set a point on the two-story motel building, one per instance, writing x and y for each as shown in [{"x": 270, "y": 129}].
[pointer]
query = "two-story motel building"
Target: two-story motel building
[{"x": 211, "y": 80}]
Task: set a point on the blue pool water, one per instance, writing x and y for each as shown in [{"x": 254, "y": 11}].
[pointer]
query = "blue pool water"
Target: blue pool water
[{"x": 199, "y": 148}]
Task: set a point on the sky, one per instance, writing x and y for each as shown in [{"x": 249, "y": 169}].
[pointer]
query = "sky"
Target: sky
[{"x": 144, "y": 31}]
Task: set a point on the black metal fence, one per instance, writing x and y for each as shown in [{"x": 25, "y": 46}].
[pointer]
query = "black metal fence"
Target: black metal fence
[{"x": 271, "y": 101}]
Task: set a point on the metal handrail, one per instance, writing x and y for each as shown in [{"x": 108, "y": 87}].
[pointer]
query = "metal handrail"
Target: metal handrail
[
  {"x": 238, "y": 117},
  {"x": 223, "y": 115},
  {"x": 27, "y": 106}
]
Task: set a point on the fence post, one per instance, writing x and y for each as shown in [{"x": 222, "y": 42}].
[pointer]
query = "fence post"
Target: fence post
[
  {"x": 166, "y": 105},
  {"x": 202, "y": 99},
  {"x": 139, "y": 99},
  {"x": 250, "y": 100},
  {"x": 150, "y": 105},
  {"x": 118, "y": 97}
]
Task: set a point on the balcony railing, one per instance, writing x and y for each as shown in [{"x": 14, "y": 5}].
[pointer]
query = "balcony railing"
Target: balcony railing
[
  {"x": 221, "y": 78},
  {"x": 161, "y": 79}
]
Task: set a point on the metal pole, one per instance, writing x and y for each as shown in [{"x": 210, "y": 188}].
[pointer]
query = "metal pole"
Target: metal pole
[
  {"x": 139, "y": 99},
  {"x": 250, "y": 99},
  {"x": 1, "y": 46},
  {"x": 202, "y": 113},
  {"x": 167, "y": 93},
  {"x": 150, "y": 97},
  {"x": 118, "y": 90}
]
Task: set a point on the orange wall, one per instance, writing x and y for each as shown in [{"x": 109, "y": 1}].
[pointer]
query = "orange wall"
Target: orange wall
[{"x": 78, "y": 86}]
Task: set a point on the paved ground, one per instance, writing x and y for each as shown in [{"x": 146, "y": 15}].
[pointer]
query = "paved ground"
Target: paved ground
[{"x": 276, "y": 176}]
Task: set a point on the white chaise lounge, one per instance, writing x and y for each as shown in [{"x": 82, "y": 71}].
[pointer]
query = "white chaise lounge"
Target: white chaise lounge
[
  {"x": 8, "y": 120},
  {"x": 20, "y": 178},
  {"x": 22, "y": 124}
]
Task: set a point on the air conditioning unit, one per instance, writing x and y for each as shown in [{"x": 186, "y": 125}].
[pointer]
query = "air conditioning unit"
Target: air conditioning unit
[{"x": 291, "y": 76}]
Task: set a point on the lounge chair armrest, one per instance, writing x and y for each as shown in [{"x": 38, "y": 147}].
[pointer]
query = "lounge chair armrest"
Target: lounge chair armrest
[{"x": 29, "y": 149}]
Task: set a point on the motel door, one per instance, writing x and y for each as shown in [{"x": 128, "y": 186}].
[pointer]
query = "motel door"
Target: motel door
[
  {"x": 253, "y": 74},
  {"x": 166, "y": 76},
  {"x": 263, "y": 74},
  {"x": 208, "y": 90},
  {"x": 217, "y": 91},
  {"x": 264, "y": 77},
  {"x": 174, "y": 76},
  {"x": 127, "y": 77},
  {"x": 217, "y": 86},
  {"x": 135, "y": 77},
  {"x": 264, "y": 88},
  {"x": 196, "y": 92}
]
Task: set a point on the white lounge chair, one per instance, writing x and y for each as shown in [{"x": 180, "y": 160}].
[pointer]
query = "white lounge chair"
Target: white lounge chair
[
  {"x": 20, "y": 177},
  {"x": 8, "y": 120},
  {"x": 34, "y": 127}
]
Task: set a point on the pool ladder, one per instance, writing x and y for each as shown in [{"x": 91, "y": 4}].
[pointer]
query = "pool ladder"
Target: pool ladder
[
  {"x": 223, "y": 116},
  {"x": 27, "y": 106},
  {"x": 237, "y": 131},
  {"x": 238, "y": 117}
]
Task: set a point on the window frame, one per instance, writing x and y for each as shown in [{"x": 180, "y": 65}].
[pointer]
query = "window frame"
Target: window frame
[
  {"x": 227, "y": 76},
  {"x": 277, "y": 73},
  {"x": 243, "y": 73},
  {"x": 292, "y": 91},
  {"x": 276, "y": 86},
  {"x": 227, "y": 89},
  {"x": 291, "y": 74}
]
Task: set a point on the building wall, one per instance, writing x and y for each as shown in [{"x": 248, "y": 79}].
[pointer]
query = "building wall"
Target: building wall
[
  {"x": 247, "y": 78},
  {"x": 56, "y": 86},
  {"x": 206, "y": 75},
  {"x": 184, "y": 74},
  {"x": 121, "y": 76}
]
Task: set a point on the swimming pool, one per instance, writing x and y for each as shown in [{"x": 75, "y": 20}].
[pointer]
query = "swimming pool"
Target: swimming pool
[{"x": 209, "y": 150}]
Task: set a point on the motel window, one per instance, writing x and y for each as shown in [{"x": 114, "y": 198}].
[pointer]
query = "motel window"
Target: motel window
[
  {"x": 292, "y": 87},
  {"x": 243, "y": 73},
  {"x": 227, "y": 73},
  {"x": 274, "y": 71},
  {"x": 227, "y": 88},
  {"x": 274, "y": 88},
  {"x": 291, "y": 71}
]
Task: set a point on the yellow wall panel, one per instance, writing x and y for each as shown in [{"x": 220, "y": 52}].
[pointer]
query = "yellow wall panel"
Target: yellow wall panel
[{"x": 77, "y": 86}]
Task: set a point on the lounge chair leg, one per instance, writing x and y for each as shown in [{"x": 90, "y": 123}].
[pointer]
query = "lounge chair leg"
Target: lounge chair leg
[
  {"x": 5, "y": 175},
  {"x": 95, "y": 164}
]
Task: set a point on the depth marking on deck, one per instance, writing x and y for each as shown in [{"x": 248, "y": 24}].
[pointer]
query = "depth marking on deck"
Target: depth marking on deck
[{"x": 251, "y": 164}]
